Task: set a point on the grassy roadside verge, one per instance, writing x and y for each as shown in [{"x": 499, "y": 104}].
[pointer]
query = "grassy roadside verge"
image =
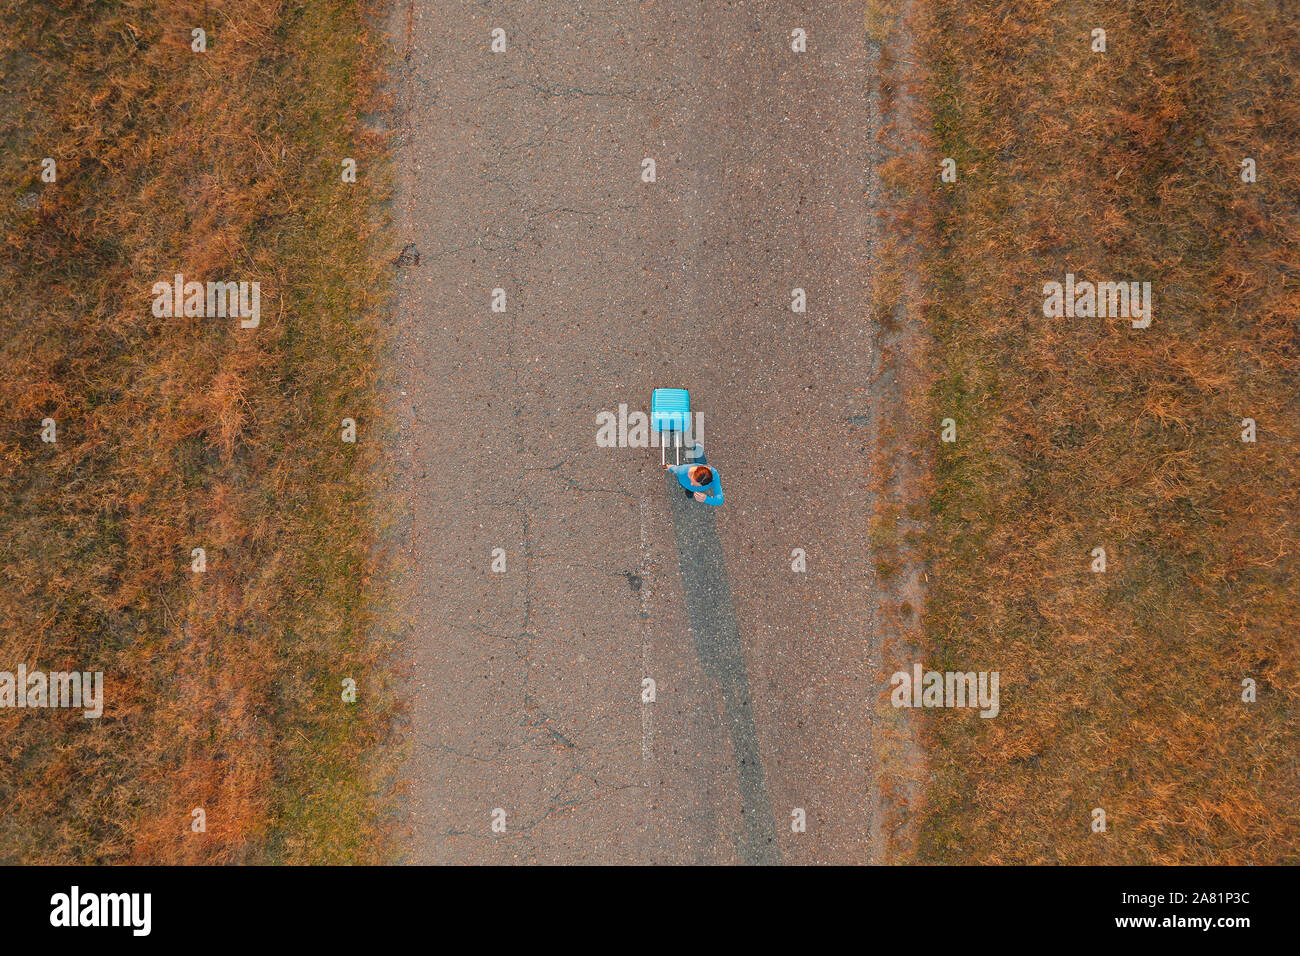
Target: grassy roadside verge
[
  {"x": 1120, "y": 690},
  {"x": 222, "y": 689}
]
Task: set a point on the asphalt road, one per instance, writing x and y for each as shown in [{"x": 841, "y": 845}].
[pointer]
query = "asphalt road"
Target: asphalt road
[{"x": 522, "y": 171}]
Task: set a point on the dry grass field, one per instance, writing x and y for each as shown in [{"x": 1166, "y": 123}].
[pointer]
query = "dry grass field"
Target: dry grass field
[
  {"x": 223, "y": 688},
  {"x": 1120, "y": 690}
]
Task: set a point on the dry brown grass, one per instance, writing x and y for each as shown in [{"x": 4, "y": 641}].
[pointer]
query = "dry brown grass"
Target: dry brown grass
[
  {"x": 900, "y": 466},
  {"x": 223, "y": 689},
  {"x": 1120, "y": 690}
]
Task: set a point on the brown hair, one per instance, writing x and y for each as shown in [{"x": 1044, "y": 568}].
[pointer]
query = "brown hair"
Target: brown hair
[{"x": 708, "y": 474}]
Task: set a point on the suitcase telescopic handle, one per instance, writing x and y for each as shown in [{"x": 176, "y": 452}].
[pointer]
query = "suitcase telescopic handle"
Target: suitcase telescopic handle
[{"x": 677, "y": 439}]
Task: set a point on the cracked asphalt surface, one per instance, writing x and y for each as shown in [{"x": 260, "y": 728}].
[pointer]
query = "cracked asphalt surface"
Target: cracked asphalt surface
[{"x": 522, "y": 171}]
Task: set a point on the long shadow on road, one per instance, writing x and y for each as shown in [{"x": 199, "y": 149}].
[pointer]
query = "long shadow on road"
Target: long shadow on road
[{"x": 717, "y": 645}]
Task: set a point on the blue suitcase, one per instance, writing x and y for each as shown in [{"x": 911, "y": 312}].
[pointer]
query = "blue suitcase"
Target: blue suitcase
[{"x": 670, "y": 416}]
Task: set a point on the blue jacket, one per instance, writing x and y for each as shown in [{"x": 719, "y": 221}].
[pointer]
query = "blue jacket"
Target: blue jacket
[{"x": 713, "y": 489}]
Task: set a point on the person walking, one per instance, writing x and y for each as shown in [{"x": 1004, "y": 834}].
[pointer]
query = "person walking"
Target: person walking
[{"x": 698, "y": 480}]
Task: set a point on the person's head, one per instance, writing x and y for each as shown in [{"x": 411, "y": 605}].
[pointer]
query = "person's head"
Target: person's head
[{"x": 701, "y": 475}]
